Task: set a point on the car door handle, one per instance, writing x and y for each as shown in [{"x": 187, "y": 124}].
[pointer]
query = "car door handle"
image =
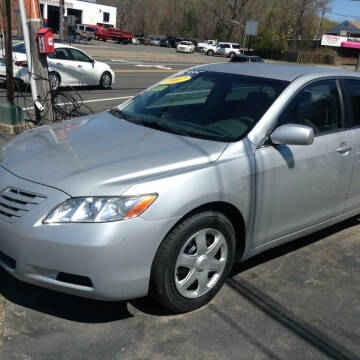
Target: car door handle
[
  {"x": 59, "y": 64},
  {"x": 343, "y": 149},
  {"x": 80, "y": 66}
]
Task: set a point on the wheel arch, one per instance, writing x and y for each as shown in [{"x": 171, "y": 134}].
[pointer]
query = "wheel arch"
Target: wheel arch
[{"x": 232, "y": 213}]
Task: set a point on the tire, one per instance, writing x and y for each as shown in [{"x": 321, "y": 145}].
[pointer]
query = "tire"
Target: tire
[
  {"x": 231, "y": 55},
  {"x": 105, "y": 80},
  {"x": 54, "y": 80},
  {"x": 207, "y": 242},
  {"x": 210, "y": 52}
]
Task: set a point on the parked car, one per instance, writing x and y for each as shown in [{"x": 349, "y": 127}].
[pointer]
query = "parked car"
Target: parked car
[
  {"x": 163, "y": 193},
  {"x": 84, "y": 32},
  {"x": 186, "y": 47},
  {"x": 168, "y": 41},
  {"x": 154, "y": 42},
  {"x": 204, "y": 44},
  {"x": 97, "y": 30},
  {"x": 135, "y": 41},
  {"x": 211, "y": 49},
  {"x": 140, "y": 37},
  {"x": 224, "y": 49},
  {"x": 68, "y": 66},
  {"x": 246, "y": 58}
]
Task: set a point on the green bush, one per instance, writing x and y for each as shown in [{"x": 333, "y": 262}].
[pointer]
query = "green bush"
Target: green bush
[
  {"x": 268, "y": 44},
  {"x": 320, "y": 56}
]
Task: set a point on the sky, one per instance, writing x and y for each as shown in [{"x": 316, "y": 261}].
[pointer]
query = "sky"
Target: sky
[{"x": 344, "y": 7}]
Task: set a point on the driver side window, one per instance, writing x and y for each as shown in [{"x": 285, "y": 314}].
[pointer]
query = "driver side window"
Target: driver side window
[{"x": 318, "y": 106}]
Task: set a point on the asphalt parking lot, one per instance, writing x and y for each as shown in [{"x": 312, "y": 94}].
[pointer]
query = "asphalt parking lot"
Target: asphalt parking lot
[
  {"x": 298, "y": 301},
  {"x": 135, "y": 67}
]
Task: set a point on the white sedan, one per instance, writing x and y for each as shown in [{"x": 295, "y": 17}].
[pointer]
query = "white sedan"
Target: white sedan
[
  {"x": 68, "y": 66},
  {"x": 186, "y": 47}
]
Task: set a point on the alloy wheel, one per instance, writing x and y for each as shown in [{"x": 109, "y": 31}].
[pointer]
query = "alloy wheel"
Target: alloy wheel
[{"x": 200, "y": 263}]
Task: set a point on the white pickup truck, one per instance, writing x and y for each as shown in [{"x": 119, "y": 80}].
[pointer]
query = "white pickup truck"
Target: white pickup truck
[{"x": 202, "y": 45}]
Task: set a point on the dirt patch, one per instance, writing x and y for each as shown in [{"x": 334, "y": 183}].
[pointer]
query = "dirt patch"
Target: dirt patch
[{"x": 2, "y": 318}]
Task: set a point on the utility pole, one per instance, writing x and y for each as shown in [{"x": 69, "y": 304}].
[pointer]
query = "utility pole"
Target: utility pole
[
  {"x": 61, "y": 25},
  {"x": 8, "y": 52},
  {"x": 320, "y": 23},
  {"x": 37, "y": 62}
]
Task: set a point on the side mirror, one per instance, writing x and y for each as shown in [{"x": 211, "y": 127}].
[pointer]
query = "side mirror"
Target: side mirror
[{"x": 292, "y": 134}]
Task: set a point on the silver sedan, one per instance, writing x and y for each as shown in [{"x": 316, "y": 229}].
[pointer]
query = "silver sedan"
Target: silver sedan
[{"x": 162, "y": 194}]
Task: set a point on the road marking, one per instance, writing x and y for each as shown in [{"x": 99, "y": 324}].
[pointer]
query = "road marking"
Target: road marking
[
  {"x": 159, "y": 60},
  {"x": 146, "y": 71},
  {"x": 153, "y": 65},
  {"x": 89, "y": 101}
]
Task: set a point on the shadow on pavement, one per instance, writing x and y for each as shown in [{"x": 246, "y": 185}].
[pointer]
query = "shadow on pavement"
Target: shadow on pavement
[
  {"x": 60, "y": 305},
  {"x": 273, "y": 309},
  {"x": 91, "y": 311},
  {"x": 292, "y": 246}
]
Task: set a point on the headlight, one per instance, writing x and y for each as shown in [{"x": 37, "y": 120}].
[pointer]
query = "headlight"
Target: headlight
[{"x": 100, "y": 209}]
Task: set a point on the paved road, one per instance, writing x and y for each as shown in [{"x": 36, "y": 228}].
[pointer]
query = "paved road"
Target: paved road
[{"x": 299, "y": 301}]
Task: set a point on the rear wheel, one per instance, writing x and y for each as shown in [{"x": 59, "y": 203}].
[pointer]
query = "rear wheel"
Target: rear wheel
[
  {"x": 193, "y": 262},
  {"x": 105, "y": 81},
  {"x": 54, "y": 80},
  {"x": 231, "y": 55}
]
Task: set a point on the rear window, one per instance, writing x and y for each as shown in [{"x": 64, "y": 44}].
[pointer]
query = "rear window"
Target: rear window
[
  {"x": 19, "y": 48},
  {"x": 236, "y": 46}
]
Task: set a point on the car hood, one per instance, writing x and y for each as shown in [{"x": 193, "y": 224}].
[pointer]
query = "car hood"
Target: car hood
[{"x": 102, "y": 155}]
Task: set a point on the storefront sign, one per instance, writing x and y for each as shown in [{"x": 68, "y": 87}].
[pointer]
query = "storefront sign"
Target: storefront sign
[{"x": 331, "y": 40}]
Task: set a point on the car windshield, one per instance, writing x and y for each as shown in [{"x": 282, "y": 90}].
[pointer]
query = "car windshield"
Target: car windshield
[
  {"x": 19, "y": 48},
  {"x": 211, "y": 105},
  {"x": 185, "y": 43}
]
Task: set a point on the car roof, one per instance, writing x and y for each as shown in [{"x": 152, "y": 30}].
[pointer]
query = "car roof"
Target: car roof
[
  {"x": 276, "y": 71},
  {"x": 62, "y": 45}
]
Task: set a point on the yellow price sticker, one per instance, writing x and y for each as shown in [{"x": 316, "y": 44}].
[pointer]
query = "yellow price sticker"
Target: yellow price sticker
[{"x": 176, "y": 80}]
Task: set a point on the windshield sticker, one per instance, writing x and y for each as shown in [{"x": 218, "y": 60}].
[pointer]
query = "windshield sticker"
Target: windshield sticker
[
  {"x": 176, "y": 80},
  {"x": 193, "y": 72},
  {"x": 159, "y": 88}
]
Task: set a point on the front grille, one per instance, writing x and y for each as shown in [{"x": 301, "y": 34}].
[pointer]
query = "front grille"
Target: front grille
[{"x": 15, "y": 203}]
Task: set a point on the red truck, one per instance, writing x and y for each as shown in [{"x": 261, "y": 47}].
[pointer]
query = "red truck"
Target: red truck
[{"x": 118, "y": 35}]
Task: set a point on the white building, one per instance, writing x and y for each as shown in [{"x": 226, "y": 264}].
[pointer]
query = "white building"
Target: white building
[{"x": 85, "y": 11}]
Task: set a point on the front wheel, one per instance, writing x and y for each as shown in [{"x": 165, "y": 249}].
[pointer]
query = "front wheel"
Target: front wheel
[
  {"x": 210, "y": 52},
  {"x": 231, "y": 55},
  {"x": 193, "y": 262},
  {"x": 54, "y": 80},
  {"x": 105, "y": 81}
]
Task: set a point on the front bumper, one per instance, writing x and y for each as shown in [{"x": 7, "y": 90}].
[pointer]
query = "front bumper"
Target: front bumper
[{"x": 105, "y": 261}]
